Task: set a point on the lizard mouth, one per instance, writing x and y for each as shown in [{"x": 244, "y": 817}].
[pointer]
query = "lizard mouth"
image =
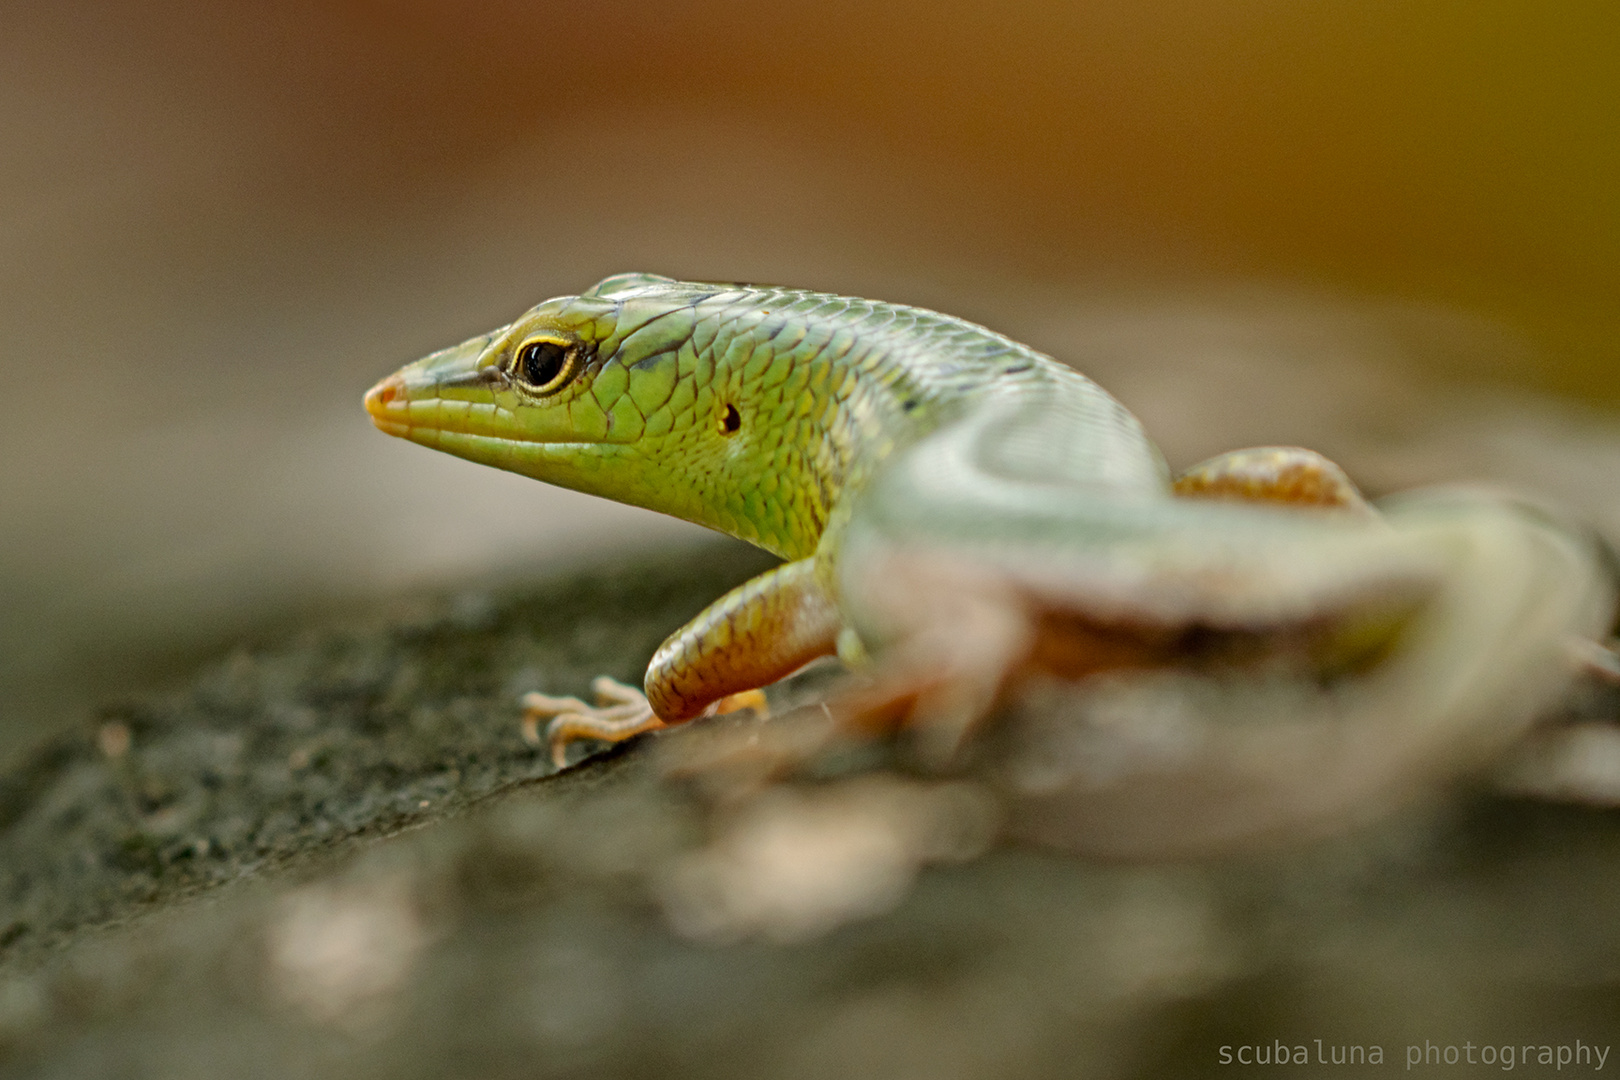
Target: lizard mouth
[
  {"x": 456, "y": 412},
  {"x": 417, "y": 410},
  {"x": 445, "y": 392},
  {"x": 460, "y": 401},
  {"x": 388, "y": 403}
]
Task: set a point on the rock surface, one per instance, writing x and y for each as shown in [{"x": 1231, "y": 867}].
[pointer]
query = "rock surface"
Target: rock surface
[{"x": 335, "y": 855}]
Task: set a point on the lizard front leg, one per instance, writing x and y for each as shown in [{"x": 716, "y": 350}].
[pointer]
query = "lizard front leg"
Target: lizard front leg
[{"x": 764, "y": 629}]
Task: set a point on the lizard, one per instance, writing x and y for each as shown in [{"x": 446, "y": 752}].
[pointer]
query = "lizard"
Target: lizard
[{"x": 954, "y": 508}]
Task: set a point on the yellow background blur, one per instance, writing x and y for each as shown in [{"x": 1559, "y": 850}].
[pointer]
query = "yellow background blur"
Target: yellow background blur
[{"x": 218, "y": 225}]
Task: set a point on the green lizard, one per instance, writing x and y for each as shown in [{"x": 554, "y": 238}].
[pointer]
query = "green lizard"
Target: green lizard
[{"x": 961, "y": 508}]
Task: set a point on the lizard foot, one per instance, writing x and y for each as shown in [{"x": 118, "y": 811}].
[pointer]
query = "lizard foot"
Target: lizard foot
[
  {"x": 620, "y": 712},
  {"x": 1575, "y": 762},
  {"x": 743, "y": 699}
]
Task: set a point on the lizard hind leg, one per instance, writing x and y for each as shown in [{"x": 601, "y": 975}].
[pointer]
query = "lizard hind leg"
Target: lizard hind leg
[{"x": 1276, "y": 474}]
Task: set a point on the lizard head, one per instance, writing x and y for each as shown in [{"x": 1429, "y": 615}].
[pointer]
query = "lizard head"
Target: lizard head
[
  {"x": 559, "y": 375},
  {"x": 573, "y": 373},
  {"x": 614, "y": 392}
]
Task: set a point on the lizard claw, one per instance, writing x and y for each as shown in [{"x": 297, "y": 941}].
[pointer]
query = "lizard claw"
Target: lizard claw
[{"x": 620, "y": 712}]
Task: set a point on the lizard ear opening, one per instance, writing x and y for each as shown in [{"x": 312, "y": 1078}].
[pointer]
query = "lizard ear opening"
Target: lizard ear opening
[{"x": 544, "y": 365}]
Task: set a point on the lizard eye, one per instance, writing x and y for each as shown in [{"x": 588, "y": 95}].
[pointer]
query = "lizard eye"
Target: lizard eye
[{"x": 545, "y": 364}]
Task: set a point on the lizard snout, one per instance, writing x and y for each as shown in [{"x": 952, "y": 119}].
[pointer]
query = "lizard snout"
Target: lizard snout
[{"x": 386, "y": 402}]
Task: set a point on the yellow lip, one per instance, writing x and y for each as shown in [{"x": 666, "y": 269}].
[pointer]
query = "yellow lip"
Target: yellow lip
[{"x": 387, "y": 403}]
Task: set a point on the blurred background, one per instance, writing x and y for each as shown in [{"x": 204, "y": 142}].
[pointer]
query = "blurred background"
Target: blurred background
[{"x": 1389, "y": 229}]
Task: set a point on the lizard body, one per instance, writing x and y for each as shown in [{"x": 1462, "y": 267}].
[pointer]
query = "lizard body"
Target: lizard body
[
  {"x": 964, "y": 507},
  {"x": 756, "y": 412}
]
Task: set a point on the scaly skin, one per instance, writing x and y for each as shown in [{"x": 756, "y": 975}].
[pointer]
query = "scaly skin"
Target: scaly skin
[
  {"x": 758, "y": 412},
  {"x": 898, "y": 457},
  {"x": 824, "y": 388}
]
